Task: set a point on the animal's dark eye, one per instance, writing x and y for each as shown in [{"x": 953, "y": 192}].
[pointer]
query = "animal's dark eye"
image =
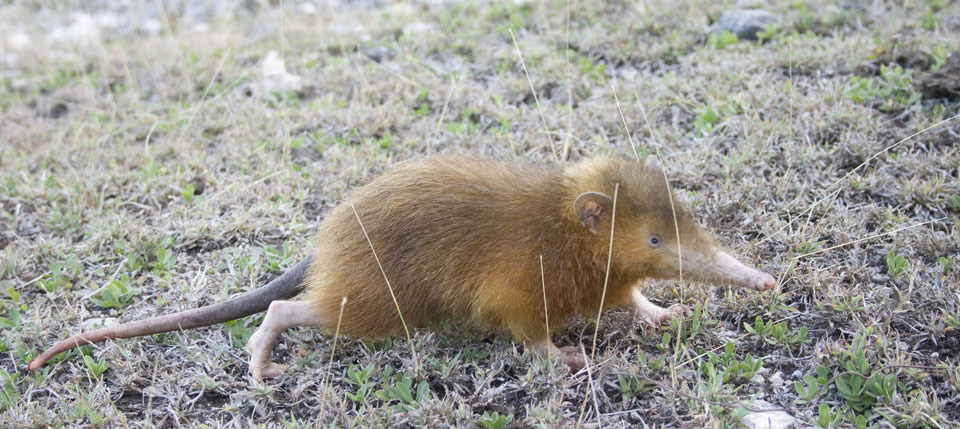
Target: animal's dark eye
[{"x": 654, "y": 240}]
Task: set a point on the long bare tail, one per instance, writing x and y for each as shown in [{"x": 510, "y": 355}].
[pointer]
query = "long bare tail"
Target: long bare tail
[{"x": 284, "y": 287}]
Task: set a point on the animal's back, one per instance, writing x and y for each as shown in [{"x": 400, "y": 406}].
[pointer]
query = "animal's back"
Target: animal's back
[{"x": 443, "y": 229}]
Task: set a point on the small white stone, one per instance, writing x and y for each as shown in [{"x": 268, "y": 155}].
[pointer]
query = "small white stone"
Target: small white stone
[
  {"x": 776, "y": 380},
  {"x": 99, "y": 322},
  {"x": 18, "y": 41},
  {"x": 757, "y": 379},
  {"x": 764, "y": 415},
  {"x": 108, "y": 20},
  {"x": 308, "y": 8},
  {"x": 272, "y": 65},
  {"x": 151, "y": 27},
  {"x": 84, "y": 29},
  {"x": 275, "y": 77}
]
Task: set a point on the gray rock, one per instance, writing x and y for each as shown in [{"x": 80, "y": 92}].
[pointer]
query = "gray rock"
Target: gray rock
[
  {"x": 764, "y": 415},
  {"x": 275, "y": 77},
  {"x": 99, "y": 322},
  {"x": 745, "y": 23},
  {"x": 776, "y": 380},
  {"x": 379, "y": 53}
]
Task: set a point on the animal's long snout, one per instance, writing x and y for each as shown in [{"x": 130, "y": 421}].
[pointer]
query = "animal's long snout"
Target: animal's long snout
[{"x": 723, "y": 268}]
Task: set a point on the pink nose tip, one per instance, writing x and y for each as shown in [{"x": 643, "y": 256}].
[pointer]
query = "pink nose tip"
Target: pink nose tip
[{"x": 766, "y": 282}]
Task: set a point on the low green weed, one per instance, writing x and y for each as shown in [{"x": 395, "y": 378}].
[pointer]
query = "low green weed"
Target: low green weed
[
  {"x": 96, "y": 368},
  {"x": 896, "y": 264},
  {"x": 807, "y": 247},
  {"x": 277, "y": 259},
  {"x": 892, "y": 91},
  {"x": 359, "y": 376},
  {"x": 494, "y": 420},
  {"x": 725, "y": 368},
  {"x": 777, "y": 333},
  {"x": 809, "y": 386},
  {"x": 827, "y": 418},
  {"x": 116, "y": 294},
  {"x": 858, "y": 384},
  {"x": 239, "y": 332},
  {"x": 188, "y": 193},
  {"x": 401, "y": 392},
  {"x": 9, "y": 394},
  {"x": 13, "y": 321},
  {"x": 164, "y": 261},
  {"x": 939, "y": 56},
  {"x": 722, "y": 40},
  {"x": 632, "y": 386}
]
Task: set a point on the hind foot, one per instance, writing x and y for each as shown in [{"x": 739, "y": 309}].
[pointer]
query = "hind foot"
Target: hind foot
[
  {"x": 281, "y": 315},
  {"x": 269, "y": 370},
  {"x": 260, "y": 346}
]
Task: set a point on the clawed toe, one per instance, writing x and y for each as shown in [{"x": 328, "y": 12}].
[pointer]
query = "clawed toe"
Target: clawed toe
[
  {"x": 273, "y": 370},
  {"x": 678, "y": 309},
  {"x": 268, "y": 370},
  {"x": 573, "y": 358},
  {"x": 665, "y": 315}
]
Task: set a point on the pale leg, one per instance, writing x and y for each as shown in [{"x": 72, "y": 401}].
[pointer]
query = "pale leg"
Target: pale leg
[
  {"x": 652, "y": 313},
  {"x": 572, "y": 357},
  {"x": 281, "y": 315}
]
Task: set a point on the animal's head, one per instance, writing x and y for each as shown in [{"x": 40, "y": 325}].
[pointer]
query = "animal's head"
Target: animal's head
[{"x": 655, "y": 235}]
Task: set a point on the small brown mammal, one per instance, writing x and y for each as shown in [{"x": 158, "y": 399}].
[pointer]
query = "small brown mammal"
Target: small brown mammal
[{"x": 462, "y": 239}]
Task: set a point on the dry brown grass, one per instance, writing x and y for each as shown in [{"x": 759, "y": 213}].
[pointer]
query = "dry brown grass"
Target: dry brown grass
[{"x": 101, "y": 140}]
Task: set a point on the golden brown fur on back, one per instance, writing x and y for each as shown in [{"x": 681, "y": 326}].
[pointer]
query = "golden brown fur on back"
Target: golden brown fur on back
[{"x": 462, "y": 238}]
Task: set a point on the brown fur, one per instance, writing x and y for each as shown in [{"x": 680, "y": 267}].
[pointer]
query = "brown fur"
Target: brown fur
[{"x": 462, "y": 238}]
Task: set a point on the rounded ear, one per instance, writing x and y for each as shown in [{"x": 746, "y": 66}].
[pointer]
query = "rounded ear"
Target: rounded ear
[
  {"x": 592, "y": 208},
  {"x": 653, "y": 162}
]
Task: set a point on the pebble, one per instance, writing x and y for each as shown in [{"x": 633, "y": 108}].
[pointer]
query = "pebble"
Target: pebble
[
  {"x": 18, "y": 41},
  {"x": 764, "y": 415},
  {"x": 99, "y": 322},
  {"x": 83, "y": 30},
  {"x": 308, "y": 8},
  {"x": 745, "y": 23},
  {"x": 275, "y": 77},
  {"x": 776, "y": 380}
]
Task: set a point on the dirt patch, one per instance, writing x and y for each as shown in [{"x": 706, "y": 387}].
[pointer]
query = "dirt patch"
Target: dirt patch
[{"x": 943, "y": 83}]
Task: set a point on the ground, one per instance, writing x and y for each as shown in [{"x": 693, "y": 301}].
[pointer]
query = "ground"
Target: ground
[{"x": 156, "y": 158}]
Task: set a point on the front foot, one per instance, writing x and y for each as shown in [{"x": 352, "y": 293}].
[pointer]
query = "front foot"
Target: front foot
[
  {"x": 573, "y": 358},
  {"x": 653, "y": 314},
  {"x": 662, "y": 316}
]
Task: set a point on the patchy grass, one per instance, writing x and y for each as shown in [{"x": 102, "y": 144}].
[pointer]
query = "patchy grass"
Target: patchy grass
[{"x": 144, "y": 171}]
